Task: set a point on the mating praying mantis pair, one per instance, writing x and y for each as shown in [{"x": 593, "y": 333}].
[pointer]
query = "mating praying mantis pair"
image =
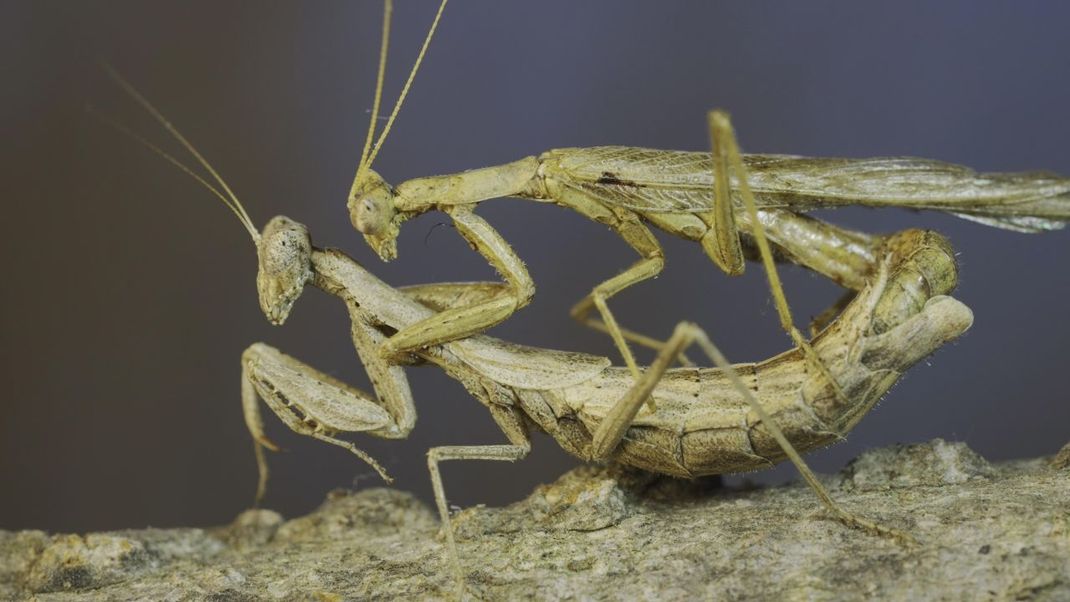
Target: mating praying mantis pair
[
  {"x": 900, "y": 278},
  {"x": 708, "y": 420}
]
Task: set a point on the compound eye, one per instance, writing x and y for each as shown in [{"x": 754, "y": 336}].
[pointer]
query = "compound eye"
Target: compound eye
[
  {"x": 369, "y": 209},
  {"x": 369, "y": 216},
  {"x": 366, "y": 215}
]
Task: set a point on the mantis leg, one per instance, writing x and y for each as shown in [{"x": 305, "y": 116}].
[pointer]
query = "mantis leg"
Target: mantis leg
[
  {"x": 512, "y": 425},
  {"x": 441, "y": 296},
  {"x": 652, "y": 261},
  {"x": 459, "y": 322},
  {"x": 725, "y": 248},
  {"x": 317, "y": 405},
  {"x": 844, "y": 256},
  {"x": 620, "y": 417},
  {"x": 903, "y": 311}
]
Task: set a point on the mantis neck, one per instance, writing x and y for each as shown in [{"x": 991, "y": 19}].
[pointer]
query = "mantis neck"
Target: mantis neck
[
  {"x": 519, "y": 178},
  {"x": 337, "y": 274}
]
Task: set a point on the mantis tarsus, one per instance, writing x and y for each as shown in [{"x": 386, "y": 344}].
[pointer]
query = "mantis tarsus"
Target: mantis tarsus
[
  {"x": 707, "y": 421},
  {"x": 701, "y": 197}
]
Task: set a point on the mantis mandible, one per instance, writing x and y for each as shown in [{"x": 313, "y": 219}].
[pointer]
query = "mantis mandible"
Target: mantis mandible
[
  {"x": 708, "y": 420},
  {"x": 732, "y": 204}
]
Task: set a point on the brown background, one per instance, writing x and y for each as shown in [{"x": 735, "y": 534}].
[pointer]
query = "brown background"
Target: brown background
[{"x": 128, "y": 292}]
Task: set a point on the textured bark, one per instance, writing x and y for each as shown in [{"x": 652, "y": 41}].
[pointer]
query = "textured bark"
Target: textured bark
[{"x": 986, "y": 531}]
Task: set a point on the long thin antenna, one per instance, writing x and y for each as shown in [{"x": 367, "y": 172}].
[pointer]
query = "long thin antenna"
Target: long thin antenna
[
  {"x": 244, "y": 219},
  {"x": 152, "y": 110},
  {"x": 388, "y": 9},
  {"x": 366, "y": 164}
]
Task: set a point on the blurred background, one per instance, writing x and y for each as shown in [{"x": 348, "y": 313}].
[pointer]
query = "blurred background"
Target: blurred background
[{"x": 129, "y": 295}]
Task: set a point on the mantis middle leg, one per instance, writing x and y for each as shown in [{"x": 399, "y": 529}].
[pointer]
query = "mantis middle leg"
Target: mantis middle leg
[
  {"x": 845, "y": 256},
  {"x": 652, "y": 261}
]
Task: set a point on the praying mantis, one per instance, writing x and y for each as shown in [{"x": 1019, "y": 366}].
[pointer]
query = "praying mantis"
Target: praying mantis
[
  {"x": 715, "y": 199},
  {"x": 707, "y": 420},
  {"x": 468, "y": 299}
]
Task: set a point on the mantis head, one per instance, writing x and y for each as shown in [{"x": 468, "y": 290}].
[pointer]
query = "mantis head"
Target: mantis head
[
  {"x": 284, "y": 252},
  {"x": 284, "y": 249},
  {"x": 371, "y": 200},
  {"x": 372, "y": 211}
]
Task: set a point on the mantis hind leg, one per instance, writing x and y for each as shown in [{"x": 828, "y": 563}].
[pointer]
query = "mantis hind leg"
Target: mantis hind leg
[
  {"x": 902, "y": 313},
  {"x": 512, "y": 425},
  {"x": 723, "y": 244},
  {"x": 613, "y": 427},
  {"x": 620, "y": 417}
]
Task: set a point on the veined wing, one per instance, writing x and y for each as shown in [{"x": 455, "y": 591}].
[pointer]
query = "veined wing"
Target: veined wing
[
  {"x": 639, "y": 179},
  {"x": 527, "y": 367},
  {"x": 659, "y": 181}
]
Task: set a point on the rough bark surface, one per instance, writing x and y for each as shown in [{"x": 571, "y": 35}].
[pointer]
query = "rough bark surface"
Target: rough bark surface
[{"x": 986, "y": 532}]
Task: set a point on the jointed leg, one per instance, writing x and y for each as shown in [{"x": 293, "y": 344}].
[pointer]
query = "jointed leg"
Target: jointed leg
[
  {"x": 726, "y": 154},
  {"x": 638, "y": 237},
  {"x": 635, "y": 337},
  {"x": 641, "y": 270},
  {"x": 513, "y": 427},
  {"x": 620, "y": 417},
  {"x": 448, "y": 295},
  {"x": 255, "y": 423},
  {"x": 508, "y": 453},
  {"x": 440, "y": 296},
  {"x": 461, "y": 321},
  {"x": 315, "y": 404}
]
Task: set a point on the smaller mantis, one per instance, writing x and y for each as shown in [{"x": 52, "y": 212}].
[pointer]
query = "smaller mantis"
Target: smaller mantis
[
  {"x": 708, "y": 420},
  {"x": 730, "y": 203}
]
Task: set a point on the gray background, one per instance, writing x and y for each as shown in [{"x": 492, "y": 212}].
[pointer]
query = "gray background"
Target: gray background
[{"x": 129, "y": 294}]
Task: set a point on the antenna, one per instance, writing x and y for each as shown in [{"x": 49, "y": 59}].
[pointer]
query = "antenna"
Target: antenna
[
  {"x": 366, "y": 161},
  {"x": 229, "y": 199}
]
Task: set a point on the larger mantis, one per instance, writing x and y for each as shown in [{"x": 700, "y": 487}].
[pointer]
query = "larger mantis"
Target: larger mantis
[
  {"x": 708, "y": 420},
  {"x": 730, "y": 203}
]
